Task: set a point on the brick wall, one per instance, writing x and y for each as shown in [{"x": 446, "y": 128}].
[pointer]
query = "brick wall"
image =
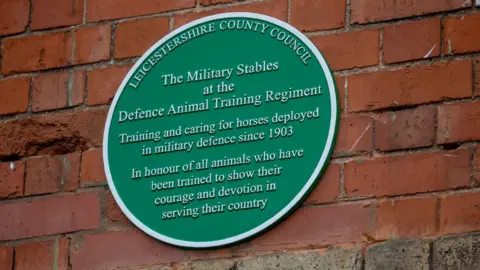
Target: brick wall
[{"x": 403, "y": 187}]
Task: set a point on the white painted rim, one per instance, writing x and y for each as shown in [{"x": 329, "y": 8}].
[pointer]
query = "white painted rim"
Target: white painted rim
[{"x": 296, "y": 199}]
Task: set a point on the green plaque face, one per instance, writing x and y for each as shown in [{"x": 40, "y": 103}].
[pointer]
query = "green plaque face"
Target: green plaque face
[{"x": 220, "y": 130}]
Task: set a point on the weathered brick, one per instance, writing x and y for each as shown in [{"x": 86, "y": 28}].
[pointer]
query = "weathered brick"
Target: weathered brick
[
  {"x": 100, "y": 251},
  {"x": 311, "y": 15},
  {"x": 462, "y": 34},
  {"x": 11, "y": 179},
  {"x": 460, "y": 213},
  {"x": 456, "y": 253},
  {"x": 51, "y": 254},
  {"x": 55, "y": 13},
  {"x": 350, "y": 49},
  {"x": 328, "y": 187},
  {"x": 458, "y": 122},
  {"x": 52, "y": 173},
  {"x": 14, "y": 95},
  {"x": 36, "y": 52},
  {"x": 50, "y": 91},
  {"x": 92, "y": 167},
  {"x": 355, "y": 135},
  {"x": 411, "y": 41},
  {"x": 331, "y": 258},
  {"x": 399, "y": 254},
  {"x": 98, "y": 10},
  {"x": 405, "y": 129},
  {"x": 13, "y": 16},
  {"x": 408, "y": 174},
  {"x": 92, "y": 44},
  {"x": 135, "y": 37},
  {"x": 54, "y": 134},
  {"x": 305, "y": 228},
  {"x": 273, "y": 8},
  {"x": 6, "y": 257},
  {"x": 395, "y": 218},
  {"x": 104, "y": 82},
  {"x": 365, "y": 11},
  {"x": 113, "y": 211},
  {"x": 410, "y": 86},
  {"x": 49, "y": 216}
]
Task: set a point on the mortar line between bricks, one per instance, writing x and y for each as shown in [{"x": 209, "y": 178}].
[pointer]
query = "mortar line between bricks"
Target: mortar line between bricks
[
  {"x": 84, "y": 15},
  {"x": 113, "y": 35},
  {"x": 348, "y": 10},
  {"x": 55, "y": 254},
  {"x": 437, "y": 215},
  {"x": 289, "y": 11},
  {"x": 30, "y": 16},
  {"x": 30, "y": 95},
  {"x": 380, "y": 51}
]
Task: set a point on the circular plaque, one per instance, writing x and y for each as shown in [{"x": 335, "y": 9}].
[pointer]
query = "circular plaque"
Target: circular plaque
[{"x": 220, "y": 130}]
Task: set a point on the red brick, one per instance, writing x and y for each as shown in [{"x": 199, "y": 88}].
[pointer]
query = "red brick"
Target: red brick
[
  {"x": 350, "y": 49},
  {"x": 340, "y": 84},
  {"x": 50, "y": 91},
  {"x": 52, "y": 174},
  {"x": 92, "y": 44},
  {"x": 58, "y": 90},
  {"x": 113, "y": 211},
  {"x": 101, "y": 251},
  {"x": 410, "y": 86},
  {"x": 77, "y": 89},
  {"x": 395, "y": 219},
  {"x": 54, "y": 134},
  {"x": 458, "y": 122},
  {"x": 365, "y": 11},
  {"x": 213, "y": 2},
  {"x": 98, "y": 10},
  {"x": 36, "y": 52},
  {"x": 408, "y": 174},
  {"x": 405, "y": 129},
  {"x": 318, "y": 226},
  {"x": 355, "y": 135},
  {"x": 6, "y": 258},
  {"x": 92, "y": 167},
  {"x": 135, "y": 37},
  {"x": 273, "y": 8},
  {"x": 462, "y": 34},
  {"x": 55, "y": 13},
  {"x": 14, "y": 95},
  {"x": 328, "y": 187},
  {"x": 11, "y": 179},
  {"x": 311, "y": 15},
  {"x": 411, "y": 41},
  {"x": 48, "y": 216},
  {"x": 51, "y": 254},
  {"x": 103, "y": 83},
  {"x": 460, "y": 213},
  {"x": 13, "y": 16}
]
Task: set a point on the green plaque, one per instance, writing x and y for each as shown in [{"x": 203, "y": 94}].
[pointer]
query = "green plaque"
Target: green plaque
[{"x": 220, "y": 130}]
